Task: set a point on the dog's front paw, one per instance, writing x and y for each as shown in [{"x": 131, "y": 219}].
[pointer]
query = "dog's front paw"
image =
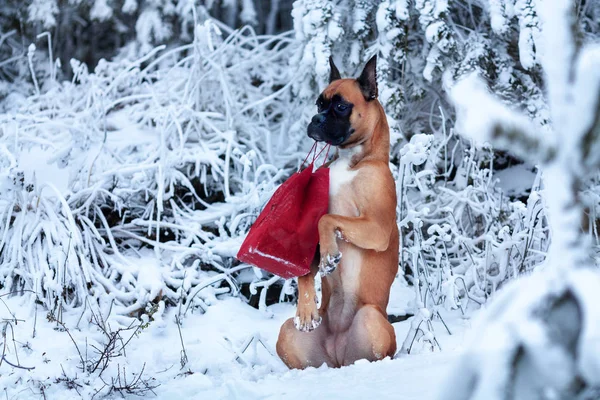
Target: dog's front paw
[
  {"x": 307, "y": 317},
  {"x": 329, "y": 263}
]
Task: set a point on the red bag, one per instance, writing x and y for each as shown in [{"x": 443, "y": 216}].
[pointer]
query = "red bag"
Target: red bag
[{"x": 284, "y": 237}]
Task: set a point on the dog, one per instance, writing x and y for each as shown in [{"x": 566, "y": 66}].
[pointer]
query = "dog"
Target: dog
[{"x": 358, "y": 238}]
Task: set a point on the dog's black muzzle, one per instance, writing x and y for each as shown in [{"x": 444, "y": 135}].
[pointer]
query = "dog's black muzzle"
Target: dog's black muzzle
[{"x": 320, "y": 130}]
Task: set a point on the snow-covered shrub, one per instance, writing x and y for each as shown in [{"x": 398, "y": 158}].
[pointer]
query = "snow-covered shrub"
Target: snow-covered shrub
[
  {"x": 462, "y": 238},
  {"x": 539, "y": 338},
  {"x": 165, "y": 160}
]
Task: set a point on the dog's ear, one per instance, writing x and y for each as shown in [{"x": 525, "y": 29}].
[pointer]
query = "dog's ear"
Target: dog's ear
[
  {"x": 368, "y": 79},
  {"x": 334, "y": 74}
]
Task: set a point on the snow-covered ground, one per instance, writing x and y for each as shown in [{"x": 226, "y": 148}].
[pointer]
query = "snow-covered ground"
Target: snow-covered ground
[
  {"x": 230, "y": 352},
  {"x": 416, "y": 377}
]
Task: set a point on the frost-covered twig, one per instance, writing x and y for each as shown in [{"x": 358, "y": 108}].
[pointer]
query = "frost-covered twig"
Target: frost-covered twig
[{"x": 8, "y": 324}]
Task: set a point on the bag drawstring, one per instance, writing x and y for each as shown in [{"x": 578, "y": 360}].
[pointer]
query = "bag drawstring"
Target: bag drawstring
[
  {"x": 314, "y": 146},
  {"x": 326, "y": 154},
  {"x": 321, "y": 152},
  {"x": 313, "y": 150}
]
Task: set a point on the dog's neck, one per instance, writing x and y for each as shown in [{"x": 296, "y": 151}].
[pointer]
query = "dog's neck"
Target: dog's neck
[
  {"x": 352, "y": 154},
  {"x": 374, "y": 146}
]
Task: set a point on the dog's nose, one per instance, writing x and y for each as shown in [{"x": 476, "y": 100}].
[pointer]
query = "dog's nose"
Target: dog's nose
[{"x": 318, "y": 119}]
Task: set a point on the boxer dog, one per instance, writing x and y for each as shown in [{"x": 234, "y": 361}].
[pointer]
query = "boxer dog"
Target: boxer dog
[{"x": 358, "y": 239}]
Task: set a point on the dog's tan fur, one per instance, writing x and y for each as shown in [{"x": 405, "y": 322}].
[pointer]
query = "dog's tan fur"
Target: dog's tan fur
[{"x": 362, "y": 209}]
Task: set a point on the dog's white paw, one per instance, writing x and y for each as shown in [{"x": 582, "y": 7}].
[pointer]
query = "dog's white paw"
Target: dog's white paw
[
  {"x": 306, "y": 325},
  {"x": 329, "y": 263}
]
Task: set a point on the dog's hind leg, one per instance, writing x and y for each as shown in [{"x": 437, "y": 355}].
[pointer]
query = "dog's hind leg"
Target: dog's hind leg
[
  {"x": 370, "y": 336},
  {"x": 303, "y": 349}
]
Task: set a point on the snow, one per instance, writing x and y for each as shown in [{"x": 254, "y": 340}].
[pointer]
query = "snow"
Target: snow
[
  {"x": 409, "y": 378},
  {"x": 150, "y": 28},
  {"x": 417, "y": 151},
  {"x": 516, "y": 180},
  {"x": 248, "y": 14},
  {"x": 43, "y": 11},
  {"x": 556, "y": 52},
  {"x": 230, "y": 350},
  {"x": 568, "y": 72},
  {"x": 101, "y": 10},
  {"x": 433, "y": 31},
  {"x": 498, "y": 16},
  {"x": 585, "y": 284},
  {"x": 515, "y": 322},
  {"x": 334, "y": 29},
  {"x": 37, "y": 166},
  {"x": 401, "y": 9},
  {"x": 148, "y": 275},
  {"x": 528, "y": 34},
  {"x": 481, "y": 115},
  {"x": 129, "y": 6},
  {"x": 587, "y": 86}
]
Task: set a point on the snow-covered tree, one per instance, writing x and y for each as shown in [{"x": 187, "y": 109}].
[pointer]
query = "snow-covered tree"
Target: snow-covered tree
[
  {"x": 89, "y": 30},
  {"x": 539, "y": 338}
]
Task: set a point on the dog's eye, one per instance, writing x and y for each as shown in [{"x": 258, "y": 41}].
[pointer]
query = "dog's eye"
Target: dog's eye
[
  {"x": 341, "y": 107},
  {"x": 320, "y": 105}
]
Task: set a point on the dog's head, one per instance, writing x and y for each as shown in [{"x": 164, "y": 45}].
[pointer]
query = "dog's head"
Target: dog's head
[{"x": 347, "y": 108}]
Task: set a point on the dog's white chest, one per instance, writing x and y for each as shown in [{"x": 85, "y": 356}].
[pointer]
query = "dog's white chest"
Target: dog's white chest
[{"x": 340, "y": 173}]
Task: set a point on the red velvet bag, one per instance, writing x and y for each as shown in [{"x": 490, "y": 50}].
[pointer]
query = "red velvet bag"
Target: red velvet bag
[{"x": 284, "y": 237}]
